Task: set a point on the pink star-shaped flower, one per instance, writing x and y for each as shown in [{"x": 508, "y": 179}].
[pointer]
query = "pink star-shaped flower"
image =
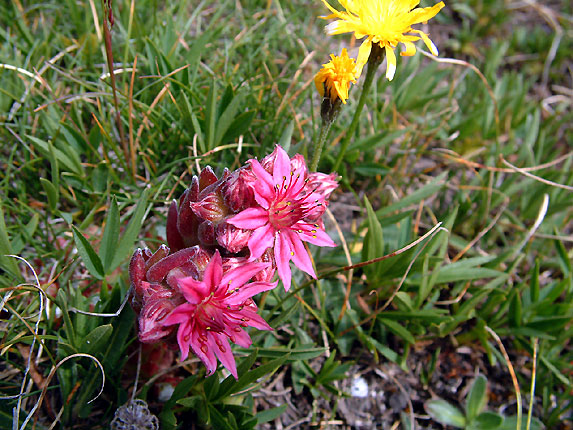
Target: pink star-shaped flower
[
  {"x": 217, "y": 310},
  {"x": 281, "y": 221}
]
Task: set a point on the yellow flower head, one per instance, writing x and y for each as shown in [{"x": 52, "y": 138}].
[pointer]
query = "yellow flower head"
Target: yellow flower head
[
  {"x": 336, "y": 76},
  {"x": 384, "y": 22}
]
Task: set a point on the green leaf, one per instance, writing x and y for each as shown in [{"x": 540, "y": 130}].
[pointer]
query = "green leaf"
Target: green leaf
[
  {"x": 69, "y": 161},
  {"x": 26, "y": 234},
  {"x": 125, "y": 245},
  {"x": 286, "y": 136},
  {"x": 167, "y": 415},
  {"x": 239, "y": 126},
  {"x": 122, "y": 326},
  {"x": 533, "y": 132},
  {"x": 486, "y": 421},
  {"x": 190, "y": 402},
  {"x": 399, "y": 330},
  {"x": 477, "y": 398},
  {"x": 510, "y": 423},
  {"x": 295, "y": 354},
  {"x": 97, "y": 339},
  {"x": 218, "y": 420},
  {"x": 196, "y": 125},
  {"x": 266, "y": 369},
  {"x": 89, "y": 256},
  {"x": 110, "y": 236},
  {"x": 387, "y": 352},
  {"x": 443, "y": 412},
  {"x": 453, "y": 273},
  {"x": 51, "y": 192},
  {"x": 228, "y": 117},
  {"x": 270, "y": 414},
  {"x": 373, "y": 242},
  {"x": 564, "y": 260},
  {"x": 416, "y": 197},
  {"x": 378, "y": 140},
  {"x": 534, "y": 282},
  {"x": 555, "y": 370},
  {"x": 211, "y": 115},
  {"x": 8, "y": 263},
  {"x": 226, "y": 386},
  {"x": 514, "y": 311}
]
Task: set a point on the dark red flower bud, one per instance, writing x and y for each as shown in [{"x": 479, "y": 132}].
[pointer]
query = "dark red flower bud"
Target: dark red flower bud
[
  {"x": 187, "y": 221},
  {"x": 207, "y": 233},
  {"x": 137, "y": 269},
  {"x": 206, "y": 177},
  {"x": 237, "y": 191},
  {"x": 174, "y": 238},
  {"x": 160, "y": 254},
  {"x": 159, "y": 270},
  {"x": 232, "y": 238},
  {"x": 151, "y": 318},
  {"x": 266, "y": 275},
  {"x": 211, "y": 207}
]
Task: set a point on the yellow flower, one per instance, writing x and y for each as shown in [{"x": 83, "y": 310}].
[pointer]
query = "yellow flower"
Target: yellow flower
[
  {"x": 384, "y": 22},
  {"x": 336, "y": 76}
]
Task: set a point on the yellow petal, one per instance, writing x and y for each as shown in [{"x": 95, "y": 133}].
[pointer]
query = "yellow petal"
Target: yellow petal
[
  {"x": 410, "y": 49},
  {"x": 391, "y": 63},
  {"x": 428, "y": 42},
  {"x": 363, "y": 54},
  {"x": 319, "y": 83}
]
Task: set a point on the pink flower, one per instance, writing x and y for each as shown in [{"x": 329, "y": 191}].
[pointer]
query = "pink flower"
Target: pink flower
[
  {"x": 216, "y": 311},
  {"x": 281, "y": 220},
  {"x": 155, "y": 292}
]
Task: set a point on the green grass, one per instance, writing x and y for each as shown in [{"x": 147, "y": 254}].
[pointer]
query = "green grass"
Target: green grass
[{"x": 219, "y": 82}]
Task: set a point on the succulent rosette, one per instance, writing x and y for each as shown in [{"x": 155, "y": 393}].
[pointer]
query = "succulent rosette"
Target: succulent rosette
[{"x": 226, "y": 238}]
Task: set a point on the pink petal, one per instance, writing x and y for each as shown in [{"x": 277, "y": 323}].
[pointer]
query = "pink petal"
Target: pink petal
[
  {"x": 263, "y": 200},
  {"x": 237, "y": 276},
  {"x": 180, "y": 314},
  {"x": 297, "y": 183},
  {"x": 248, "y": 291},
  {"x": 220, "y": 345},
  {"x": 240, "y": 337},
  {"x": 255, "y": 320},
  {"x": 193, "y": 290},
  {"x": 251, "y": 218},
  {"x": 281, "y": 169},
  {"x": 264, "y": 184},
  {"x": 206, "y": 355},
  {"x": 282, "y": 258},
  {"x": 184, "y": 339},
  {"x": 314, "y": 235},
  {"x": 213, "y": 271},
  {"x": 261, "y": 239},
  {"x": 300, "y": 256}
]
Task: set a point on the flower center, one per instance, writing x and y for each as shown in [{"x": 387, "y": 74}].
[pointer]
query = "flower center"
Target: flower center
[
  {"x": 291, "y": 203},
  {"x": 208, "y": 315}
]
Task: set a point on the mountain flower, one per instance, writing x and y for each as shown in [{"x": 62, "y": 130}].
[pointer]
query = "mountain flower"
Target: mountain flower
[
  {"x": 216, "y": 310},
  {"x": 334, "y": 79},
  {"x": 281, "y": 219},
  {"x": 385, "y": 22}
]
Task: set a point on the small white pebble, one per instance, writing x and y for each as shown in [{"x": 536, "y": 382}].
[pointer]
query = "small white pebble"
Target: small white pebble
[
  {"x": 359, "y": 387},
  {"x": 165, "y": 392}
]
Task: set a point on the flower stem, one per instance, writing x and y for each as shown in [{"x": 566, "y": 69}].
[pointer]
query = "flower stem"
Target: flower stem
[
  {"x": 374, "y": 60},
  {"x": 324, "y": 129}
]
